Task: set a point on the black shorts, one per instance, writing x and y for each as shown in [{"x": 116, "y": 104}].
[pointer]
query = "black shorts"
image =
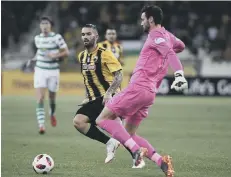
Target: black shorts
[{"x": 92, "y": 109}]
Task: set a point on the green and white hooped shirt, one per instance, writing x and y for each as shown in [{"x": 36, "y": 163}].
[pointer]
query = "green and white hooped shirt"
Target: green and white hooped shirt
[{"x": 48, "y": 44}]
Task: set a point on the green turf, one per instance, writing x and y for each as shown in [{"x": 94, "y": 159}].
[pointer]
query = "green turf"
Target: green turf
[{"x": 195, "y": 131}]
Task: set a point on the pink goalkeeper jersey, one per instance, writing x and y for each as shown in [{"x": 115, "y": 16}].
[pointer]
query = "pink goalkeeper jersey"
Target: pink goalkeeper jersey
[{"x": 153, "y": 61}]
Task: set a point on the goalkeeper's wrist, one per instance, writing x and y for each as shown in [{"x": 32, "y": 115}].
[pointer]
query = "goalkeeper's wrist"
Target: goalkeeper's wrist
[{"x": 179, "y": 73}]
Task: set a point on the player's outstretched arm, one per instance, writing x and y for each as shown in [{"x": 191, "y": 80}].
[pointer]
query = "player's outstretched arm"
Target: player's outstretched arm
[
  {"x": 178, "y": 45},
  {"x": 162, "y": 46},
  {"x": 174, "y": 61},
  {"x": 115, "y": 68},
  {"x": 180, "y": 83},
  {"x": 118, "y": 77}
]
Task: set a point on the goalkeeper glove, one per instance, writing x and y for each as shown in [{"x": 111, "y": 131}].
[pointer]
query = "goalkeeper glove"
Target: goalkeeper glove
[{"x": 180, "y": 82}]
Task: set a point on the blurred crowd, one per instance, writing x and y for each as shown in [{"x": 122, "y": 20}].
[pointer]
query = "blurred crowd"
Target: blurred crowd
[
  {"x": 16, "y": 19},
  {"x": 199, "y": 24}
]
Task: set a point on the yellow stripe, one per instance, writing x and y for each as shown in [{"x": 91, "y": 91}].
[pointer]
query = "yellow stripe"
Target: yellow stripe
[
  {"x": 97, "y": 83},
  {"x": 95, "y": 78},
  {"x": 86, "y": 79},
  {"x": 99, "y": 69}
]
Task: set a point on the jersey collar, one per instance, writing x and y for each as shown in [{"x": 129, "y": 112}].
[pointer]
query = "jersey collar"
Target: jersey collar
[
  {"x": 94, "y": 51},
  {"x": 110, "y": 43},
  {"x": 49, "y": 34},
  {"x": 157, "y": 29}
]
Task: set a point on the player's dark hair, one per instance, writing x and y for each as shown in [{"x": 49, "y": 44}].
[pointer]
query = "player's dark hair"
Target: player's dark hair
[
  {"x": 91, "y": 26},
  {"x": 111, "y": 28},
  {"x": 48, "y": 19},
  {"x": 153, "y": 11}
]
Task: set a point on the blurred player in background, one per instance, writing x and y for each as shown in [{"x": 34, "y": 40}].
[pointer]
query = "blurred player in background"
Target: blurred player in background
[
  {"x": 51, "y": 47},
  {"x": 111, "y": 44},
  {"x": 102, "y": 74},
  {"x": 158, "y": 52}
]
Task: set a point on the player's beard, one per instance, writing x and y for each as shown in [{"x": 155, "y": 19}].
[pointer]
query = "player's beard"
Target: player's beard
[
  {"x": 146, "y": 28},
  {"x": 90, "y": 44}
]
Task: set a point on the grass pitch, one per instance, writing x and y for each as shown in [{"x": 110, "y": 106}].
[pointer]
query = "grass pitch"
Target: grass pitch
[{"x": 196, "y": 132}]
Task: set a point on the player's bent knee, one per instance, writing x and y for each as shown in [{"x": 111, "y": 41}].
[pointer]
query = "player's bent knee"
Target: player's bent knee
[
  {"x": 106, "y": 114},
  {"x": 76, "y": 121},
  {"x": 79, "y": 121}
]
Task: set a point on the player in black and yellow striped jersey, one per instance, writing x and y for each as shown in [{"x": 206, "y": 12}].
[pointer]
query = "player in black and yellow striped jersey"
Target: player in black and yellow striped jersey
[
  {"x": 98, "y": 69},
  {"x": 102, "y": 75},
  {"x": 111, "y": 44}
]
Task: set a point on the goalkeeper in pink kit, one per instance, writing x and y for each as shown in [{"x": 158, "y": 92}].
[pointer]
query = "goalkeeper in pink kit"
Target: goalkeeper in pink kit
[{"x": 158, "y": 52}]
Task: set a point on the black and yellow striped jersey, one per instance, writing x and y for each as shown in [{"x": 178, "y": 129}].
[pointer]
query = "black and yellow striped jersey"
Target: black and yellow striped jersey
[
  {"x": 97, "y": 69},
  {"x": 116, "y": 49}
]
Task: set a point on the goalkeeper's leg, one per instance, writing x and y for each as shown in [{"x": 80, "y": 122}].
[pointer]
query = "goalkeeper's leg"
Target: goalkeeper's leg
[{"x": 164, "y": 162}]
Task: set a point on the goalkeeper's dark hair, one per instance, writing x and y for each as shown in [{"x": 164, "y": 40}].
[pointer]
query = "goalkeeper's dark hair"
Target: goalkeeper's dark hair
[
  {"x": 48, "y": 19},
  {"x": 91, "y": 26},
  {"x": 153, "y": 11}
]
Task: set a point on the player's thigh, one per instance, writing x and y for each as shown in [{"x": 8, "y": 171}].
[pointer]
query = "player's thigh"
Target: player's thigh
[
  {"x": 40, "y": 79},
  {"x": 128, "y": 102},
  {"x": 92, "y": 110},
  {"x": 107, "y": 114},
  {"x": 53, "y": 83},
  {"x": 132, "y": 123}
]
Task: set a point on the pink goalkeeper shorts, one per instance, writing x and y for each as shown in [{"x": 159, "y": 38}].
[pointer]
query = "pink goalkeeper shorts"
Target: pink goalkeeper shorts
[{"x": 132, "y": 103}]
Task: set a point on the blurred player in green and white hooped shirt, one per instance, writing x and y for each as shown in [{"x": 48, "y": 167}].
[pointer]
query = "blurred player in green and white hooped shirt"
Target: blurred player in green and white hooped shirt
[{"x": 50, "y": 48}]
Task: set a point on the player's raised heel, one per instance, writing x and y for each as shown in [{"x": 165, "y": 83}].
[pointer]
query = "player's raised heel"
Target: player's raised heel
[
  {"x": 112, "y": 145},
  {"x": 141, "y": 165},
  {"x": 53, "y": 121},
  {"x": 167, "y": 166},
  {"x": 138, "y": 156},
  {"x": 42, "y": 130}
]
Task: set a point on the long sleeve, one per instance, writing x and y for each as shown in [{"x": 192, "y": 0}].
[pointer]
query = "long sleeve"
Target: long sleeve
[
  {"x": 174, "y": 61},
  {"x": 178, "y": 45}
]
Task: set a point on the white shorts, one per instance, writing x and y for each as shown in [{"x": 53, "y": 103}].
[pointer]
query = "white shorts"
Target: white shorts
[{"x": 46, "y": 79}]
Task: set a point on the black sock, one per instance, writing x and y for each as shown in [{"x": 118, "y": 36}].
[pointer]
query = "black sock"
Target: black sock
[
  {"x": 52, "y": 107},
  {"x": 96, "y": 134},
  {"x": 129, "y": 151}
]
